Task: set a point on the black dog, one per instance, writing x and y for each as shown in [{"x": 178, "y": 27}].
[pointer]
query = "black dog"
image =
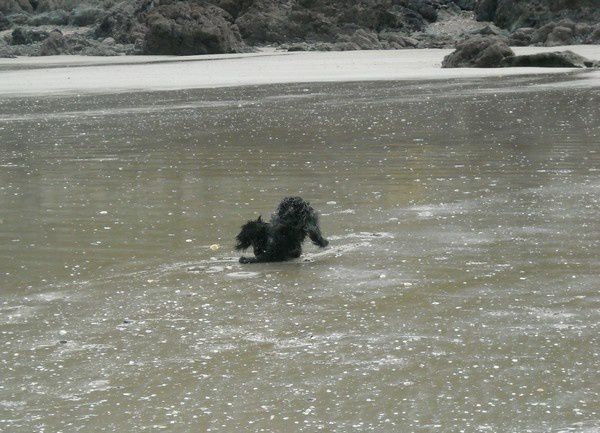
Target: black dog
[{"x": 281, "y": 239}]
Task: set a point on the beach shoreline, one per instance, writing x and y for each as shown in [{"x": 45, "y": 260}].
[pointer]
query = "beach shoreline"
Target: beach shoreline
[{"x": 28, "y": 76}]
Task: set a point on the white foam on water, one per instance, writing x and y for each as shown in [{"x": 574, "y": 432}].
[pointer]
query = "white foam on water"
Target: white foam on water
[
  {"x": 98, "y": 385},
  {"x": 51, "y": 296},
  {"x": 17, "y": 314},
  {"x": 335, "y": 251},
  {"x": 364, "y": 235},
  {"x": 242, "y": 274}
]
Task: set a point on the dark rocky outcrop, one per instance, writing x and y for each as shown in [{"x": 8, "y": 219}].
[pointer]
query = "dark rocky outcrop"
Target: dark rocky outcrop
[
  {"x": 19, "y": 19},
  {"x": 513, "y": 14},
  {"x": 485, "y": 10},
  {"x": 467, "y": 5},
  {"x": 4, "y": 23},
  {"x": 330, "y": 21},
  {"x": 55, "y": 18},
  {"x": 557, "y": 59},
  {"x": 26, "y": 36},
  {"x": 493, "y": 52},
  {"x": 221, "y": 26},
  {"x": 9, "y": 6},
  {"x": 87, "y": 16},
  {"x": 188, "y": 28},
  {"x": 478, "y": 52},
  {"x": 54, "y": 44},
  {"x": 125, "y": 22},
  {"x": 521, "y": 37}
]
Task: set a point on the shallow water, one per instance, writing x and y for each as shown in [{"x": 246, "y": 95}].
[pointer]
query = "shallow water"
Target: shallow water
[{"x": 459, "y": 291}]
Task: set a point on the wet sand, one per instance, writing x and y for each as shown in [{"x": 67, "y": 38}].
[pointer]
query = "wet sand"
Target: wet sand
[{"x": 459, "y": 292}]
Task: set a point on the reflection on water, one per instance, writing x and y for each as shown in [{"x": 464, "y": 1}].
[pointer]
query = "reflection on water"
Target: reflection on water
[{"x": 459, "y": 293}]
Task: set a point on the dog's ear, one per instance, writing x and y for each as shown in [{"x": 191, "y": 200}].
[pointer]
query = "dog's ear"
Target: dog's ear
[
  {"x": 243, "y": 242},
  {"x": 259, "y": 219}
]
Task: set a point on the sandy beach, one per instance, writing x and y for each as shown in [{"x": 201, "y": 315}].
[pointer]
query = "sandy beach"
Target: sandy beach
[{"x": 78, "y": 74}]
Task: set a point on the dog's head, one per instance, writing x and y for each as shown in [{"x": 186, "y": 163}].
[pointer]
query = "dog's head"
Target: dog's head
[{"x": 253, "y": 234}]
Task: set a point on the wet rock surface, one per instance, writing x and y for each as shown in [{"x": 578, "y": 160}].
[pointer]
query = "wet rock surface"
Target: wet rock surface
[
  {"x": 493, "y": 52},
  {"x": 557, "y": 59},
  {"x": 478, "y": 52}
]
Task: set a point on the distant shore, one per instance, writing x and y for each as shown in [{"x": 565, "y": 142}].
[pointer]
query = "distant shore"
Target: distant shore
[{"x": 83, "y": 74}]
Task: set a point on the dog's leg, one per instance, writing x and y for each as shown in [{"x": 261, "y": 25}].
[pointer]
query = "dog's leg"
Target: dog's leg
[
  {"x": 314, "y": 233},
  {"x": 263, "y": 258},
  {"x": 245, "y": 260},
  {"x": 294, "y": 254}
]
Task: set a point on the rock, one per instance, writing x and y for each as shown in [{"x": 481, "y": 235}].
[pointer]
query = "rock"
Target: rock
[
  {"x": 211, "y": 26},
  {"x": 513, "y": 14},
  {"x": 567, "y": 23},
  {"x": 268, "y": 25},
  {"x": 485, "y": 10},
  {"x": 7, "y": 52},
  {"x": 54, "y": 44},
  {"x": 124, "y": 22},
  {"x": 79, "y": 44},
  {"x": 521, "y": 37},
  {"x": 53, "y": 18},
  {"x": 560, "y": 36},
  {"x": 365, "y": 40},
  {"x": 489, "y": 30},
  {"x": 557, "y": 59},
  {"x": 234, "y": 7},
  {"x": 343, "y": 46},
  {"x": 4, "y": 23},
  {"x": 297, "y": 47},
  {"x": 467, "y": 5},
  {"x": 190, "y": 28},
  {"x": 19, "y": 19},
  {"x": 426, "y": 8},
  {"x": 26, "y": 36},
  {"x": 594, "y": 37},
  {"x": 8, "y": 6},
  {"x": 478, "y": 52},
  {"x": 331, "y": 21},
  {"x": 540, "y": 35},
  {"x": 11, "y": 51},
  {"x": 86, "y": 16},
  {"x": 581, "y": 30},
  {"x": 398, "y": 40}
]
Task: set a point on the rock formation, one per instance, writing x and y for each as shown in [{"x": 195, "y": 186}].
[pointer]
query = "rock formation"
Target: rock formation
[
  {"x": 493, "y": 52},
  {"x": 478, "y": 52},
  {"x": 188, "y": 28},
  {"x": 557, "y": 59},
  {"x": 211, "y": 26},
  {"x": 555, "y": 22}
]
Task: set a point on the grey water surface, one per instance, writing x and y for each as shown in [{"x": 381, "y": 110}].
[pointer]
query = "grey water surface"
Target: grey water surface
[{"x": 460, "y": 291}]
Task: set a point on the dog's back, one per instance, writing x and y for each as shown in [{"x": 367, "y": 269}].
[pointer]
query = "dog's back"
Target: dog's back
[{"x": 295, "y": 211}]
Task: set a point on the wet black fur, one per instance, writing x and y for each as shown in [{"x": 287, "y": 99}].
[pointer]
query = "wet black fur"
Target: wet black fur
[{"x": 281, "y": 238}]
